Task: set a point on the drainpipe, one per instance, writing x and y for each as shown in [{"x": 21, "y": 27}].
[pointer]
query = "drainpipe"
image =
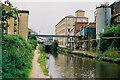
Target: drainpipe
[{"x": 67, "y": 42}]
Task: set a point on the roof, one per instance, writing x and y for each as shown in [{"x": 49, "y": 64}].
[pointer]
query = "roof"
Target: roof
[
  {"x": 80, "y": 10},
  {"x": 24, "y": 11},
  {"x": 32, "y": 30},
  {"x": 116, "y": 2},
  {"x": 91, "y": 25},
  {"x": 69, "y": 16},
  {"x": 106, "y": 5}
]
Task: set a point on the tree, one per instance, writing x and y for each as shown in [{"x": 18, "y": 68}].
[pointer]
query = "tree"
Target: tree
[
  {"x": 7, "y": 13},
  {"x": 105, "y": 44},
  {"x": 55, "y": 47}
]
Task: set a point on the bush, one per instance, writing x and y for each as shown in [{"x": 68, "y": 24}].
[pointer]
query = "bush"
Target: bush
[
  {"x": 33, "y": 42},
  {"x": 17, "y": 57},
  {"x": 111, "y": 53},
  {"x": 42, "y": 48},
  {"x": 55, "y": 46},
  {"x": 104, "y": 44}
]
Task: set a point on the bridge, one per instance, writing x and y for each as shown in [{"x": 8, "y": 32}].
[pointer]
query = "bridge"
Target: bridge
[
  {"x": 51, "y": 36},
  {"x": 49, "y": 44}
]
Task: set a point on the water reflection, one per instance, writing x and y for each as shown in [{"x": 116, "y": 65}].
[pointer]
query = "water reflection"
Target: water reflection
[{"x": 72, "y": 66}]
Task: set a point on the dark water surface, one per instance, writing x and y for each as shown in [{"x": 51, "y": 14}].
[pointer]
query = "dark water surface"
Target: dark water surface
[{"x": 73, "y": 66}]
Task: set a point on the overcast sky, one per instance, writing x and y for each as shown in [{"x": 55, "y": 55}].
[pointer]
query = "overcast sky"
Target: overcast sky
[{"x": 45, "y": 14}]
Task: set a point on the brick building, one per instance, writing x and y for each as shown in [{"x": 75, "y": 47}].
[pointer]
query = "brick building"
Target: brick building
[
  {"x": 79, "y": 26},
  {"x": 67, "y": 23},
  {"x": 86, "y": 33}
]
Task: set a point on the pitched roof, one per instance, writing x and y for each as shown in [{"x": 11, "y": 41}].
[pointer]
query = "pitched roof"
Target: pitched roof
[
  {"x": 69, "y": 16},
  {"x": 91, "y": 25}
]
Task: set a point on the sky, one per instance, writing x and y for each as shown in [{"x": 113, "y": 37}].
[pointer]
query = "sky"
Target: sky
[{"x": 45, "y": 14}]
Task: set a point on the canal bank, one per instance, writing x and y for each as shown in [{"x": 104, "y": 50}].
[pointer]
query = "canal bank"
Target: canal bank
[
  {"x": 65, "y": 65},
  {"x": 78, "y": 52}
]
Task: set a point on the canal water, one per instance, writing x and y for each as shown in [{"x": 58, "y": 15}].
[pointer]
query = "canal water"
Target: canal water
[{"x": 72, "y": 66}]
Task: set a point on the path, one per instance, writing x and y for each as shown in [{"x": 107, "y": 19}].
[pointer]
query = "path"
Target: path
[{"x": 36, "y": 69}]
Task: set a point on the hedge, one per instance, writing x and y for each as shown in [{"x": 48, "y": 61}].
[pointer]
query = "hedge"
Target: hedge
[{"x": 17, "y": 57}]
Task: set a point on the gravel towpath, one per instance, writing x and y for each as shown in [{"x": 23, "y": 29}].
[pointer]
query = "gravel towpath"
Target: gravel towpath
[{"x": 36, "y": 71}]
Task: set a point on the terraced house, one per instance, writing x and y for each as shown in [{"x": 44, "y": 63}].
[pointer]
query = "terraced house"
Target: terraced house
[{"x": 67, "y": 24}]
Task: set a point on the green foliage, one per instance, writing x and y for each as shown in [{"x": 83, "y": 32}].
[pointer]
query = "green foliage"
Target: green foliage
[
  {"x": 7, "y": 13},
  {"x": 55, "y": 46},
  {"x": 111, "y": 53},
  {"x": 42, "y": 48},
  {"x": 104, "y": 44},
  {"x": 50, "y": 39},
  {"x": 32, "y": 38},
  {"x": 112, "y": 30},
  {"x": 33, "y": 42},
  {"x": 42, "y": 59},
  {"x": 17, "y": 57}
]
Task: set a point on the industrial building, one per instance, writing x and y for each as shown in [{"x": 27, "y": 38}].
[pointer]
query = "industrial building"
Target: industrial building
[
  {"x": 105, "y": 15},
  {"x": 19, "y": 25},
  {"x": 115, "y": 13},
  {"x": 103, "y": 18},
  {"x": 67, "y": 23},
  {"x": 31, "y": 32},
  {"x": 87, "y": 37},
  {"x": 76, "y": 31}
]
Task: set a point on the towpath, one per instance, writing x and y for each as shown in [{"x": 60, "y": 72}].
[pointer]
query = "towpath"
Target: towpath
[{"x": 36, "y": 69}]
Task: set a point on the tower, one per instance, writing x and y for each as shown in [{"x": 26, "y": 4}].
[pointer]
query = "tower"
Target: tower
[
  {"x": 80, "y": 13},
  {"x": 103, "y": 18}
]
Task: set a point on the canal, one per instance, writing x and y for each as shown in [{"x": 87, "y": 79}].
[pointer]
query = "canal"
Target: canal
[{"x": 72, "y": 66}]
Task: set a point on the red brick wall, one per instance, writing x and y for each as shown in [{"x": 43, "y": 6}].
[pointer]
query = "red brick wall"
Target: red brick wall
[{"x": 78, "y": 26}]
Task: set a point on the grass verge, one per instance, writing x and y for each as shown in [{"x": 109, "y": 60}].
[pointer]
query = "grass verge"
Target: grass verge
[
  {"x": 108, "y": 55},
  {"x": 42, "y": 59}
]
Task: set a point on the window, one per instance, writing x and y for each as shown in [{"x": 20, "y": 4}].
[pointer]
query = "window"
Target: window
[
  {"x": 68, "y": 19},
  {"x": 79, "y": 19},
  {"x": 73, "y": 24},
  {"x": 87, "y": 32},
  {"x": 29, "y": 33},
  {"x": 73, "y": 19},
  {"x": 68, "y": 30},
  {"x": 84, "y": 20},
  {"x": 68, "y": 24}
]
